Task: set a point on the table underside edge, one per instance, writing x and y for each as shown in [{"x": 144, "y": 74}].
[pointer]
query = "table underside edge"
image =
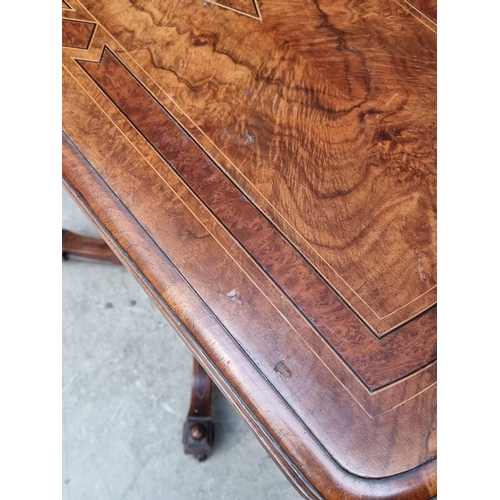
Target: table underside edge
[{"x": 333, "y": 481}]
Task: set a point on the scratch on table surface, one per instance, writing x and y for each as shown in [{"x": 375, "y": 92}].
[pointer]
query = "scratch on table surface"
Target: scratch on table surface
[
  {"x": 233, "y": 295},
  {"x": 421, "y": 271},
  {"x": 389, "y": 101},
  {"x": 410, "y": 204}
]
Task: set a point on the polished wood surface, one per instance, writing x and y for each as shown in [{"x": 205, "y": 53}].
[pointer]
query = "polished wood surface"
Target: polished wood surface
[
  {"x": 78, "y": 247},
  {"x": 198, "y": 435},
  {"x": 267, "y": 170},
  {"x": 428, "y": 7}
]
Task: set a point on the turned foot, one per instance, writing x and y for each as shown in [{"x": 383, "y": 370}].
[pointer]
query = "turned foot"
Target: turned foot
[{"x": 199, "y": 429}]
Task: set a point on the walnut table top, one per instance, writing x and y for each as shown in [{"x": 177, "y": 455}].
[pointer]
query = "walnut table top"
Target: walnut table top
[{"x": 267, "y": 171}]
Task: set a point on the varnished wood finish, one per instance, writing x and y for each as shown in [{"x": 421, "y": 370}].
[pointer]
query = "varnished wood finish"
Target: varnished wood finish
[
  {"x": 267, "y": 171},
  {"x": 77, "y": 34},
  {"x": 428, "y": 7},
  {"x": 199, "y": 428},
  {"x": 78, "y": 247}
]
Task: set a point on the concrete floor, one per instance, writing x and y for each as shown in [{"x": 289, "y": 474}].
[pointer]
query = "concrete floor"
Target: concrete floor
[{"x": 126, "y": 390}]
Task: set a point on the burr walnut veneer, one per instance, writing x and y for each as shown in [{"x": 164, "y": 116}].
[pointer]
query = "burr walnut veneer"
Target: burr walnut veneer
[{"x": 267, "y": 170}]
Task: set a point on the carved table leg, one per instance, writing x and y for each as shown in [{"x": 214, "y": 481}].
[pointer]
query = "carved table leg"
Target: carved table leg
[
  {"x": 77, "y": 247},
  {"x": 198, "y": 433}
]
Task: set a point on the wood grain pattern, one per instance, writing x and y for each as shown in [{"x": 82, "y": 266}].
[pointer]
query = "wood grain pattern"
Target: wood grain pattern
[
  {"x": 77, "y": 34},
  {"x": 198, "y": 432},
  {"x": 246, "y": 7},
  {"x": 429, "y": 7},
  {"x": 262, "y": 241},
  {"x": 78, "y": 247},
  {"x": 270, "y": 181},
  {"x": 332, "y": 217},
  {"x": 247, "y": 383}
]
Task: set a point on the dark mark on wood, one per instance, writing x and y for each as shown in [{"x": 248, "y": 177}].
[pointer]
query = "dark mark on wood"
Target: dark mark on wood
[{"x": 282, "y": 369}]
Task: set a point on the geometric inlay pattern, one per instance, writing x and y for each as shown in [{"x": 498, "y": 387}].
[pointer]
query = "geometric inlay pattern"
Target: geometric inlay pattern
[
  {"x": 246, "y": 7},
  {"x": 77, "y": 34},
  {"x": 412, "y": 344}
]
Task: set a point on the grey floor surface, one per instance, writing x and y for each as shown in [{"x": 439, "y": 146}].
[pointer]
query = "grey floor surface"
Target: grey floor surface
[{"x": 126, "y": 389}]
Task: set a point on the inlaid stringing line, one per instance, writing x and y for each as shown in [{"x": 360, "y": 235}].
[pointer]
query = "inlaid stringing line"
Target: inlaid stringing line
[
  {"x": 92, "y": 35},
  {"x": 272, "y": 206},
  {"x": 226, "y": 251},
  {"x": 256, "y": 3},
  {"x": 418, "y": 18},
  {"x": 410, "y": 398},
  {"x": 214, "y": 2},
  {"x": 240, "y": 267}
]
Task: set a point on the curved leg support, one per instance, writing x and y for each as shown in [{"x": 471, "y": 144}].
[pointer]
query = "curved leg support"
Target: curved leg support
[
  {"x": 77, "y": 247},
  {"x": 198, "y": 433}
]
